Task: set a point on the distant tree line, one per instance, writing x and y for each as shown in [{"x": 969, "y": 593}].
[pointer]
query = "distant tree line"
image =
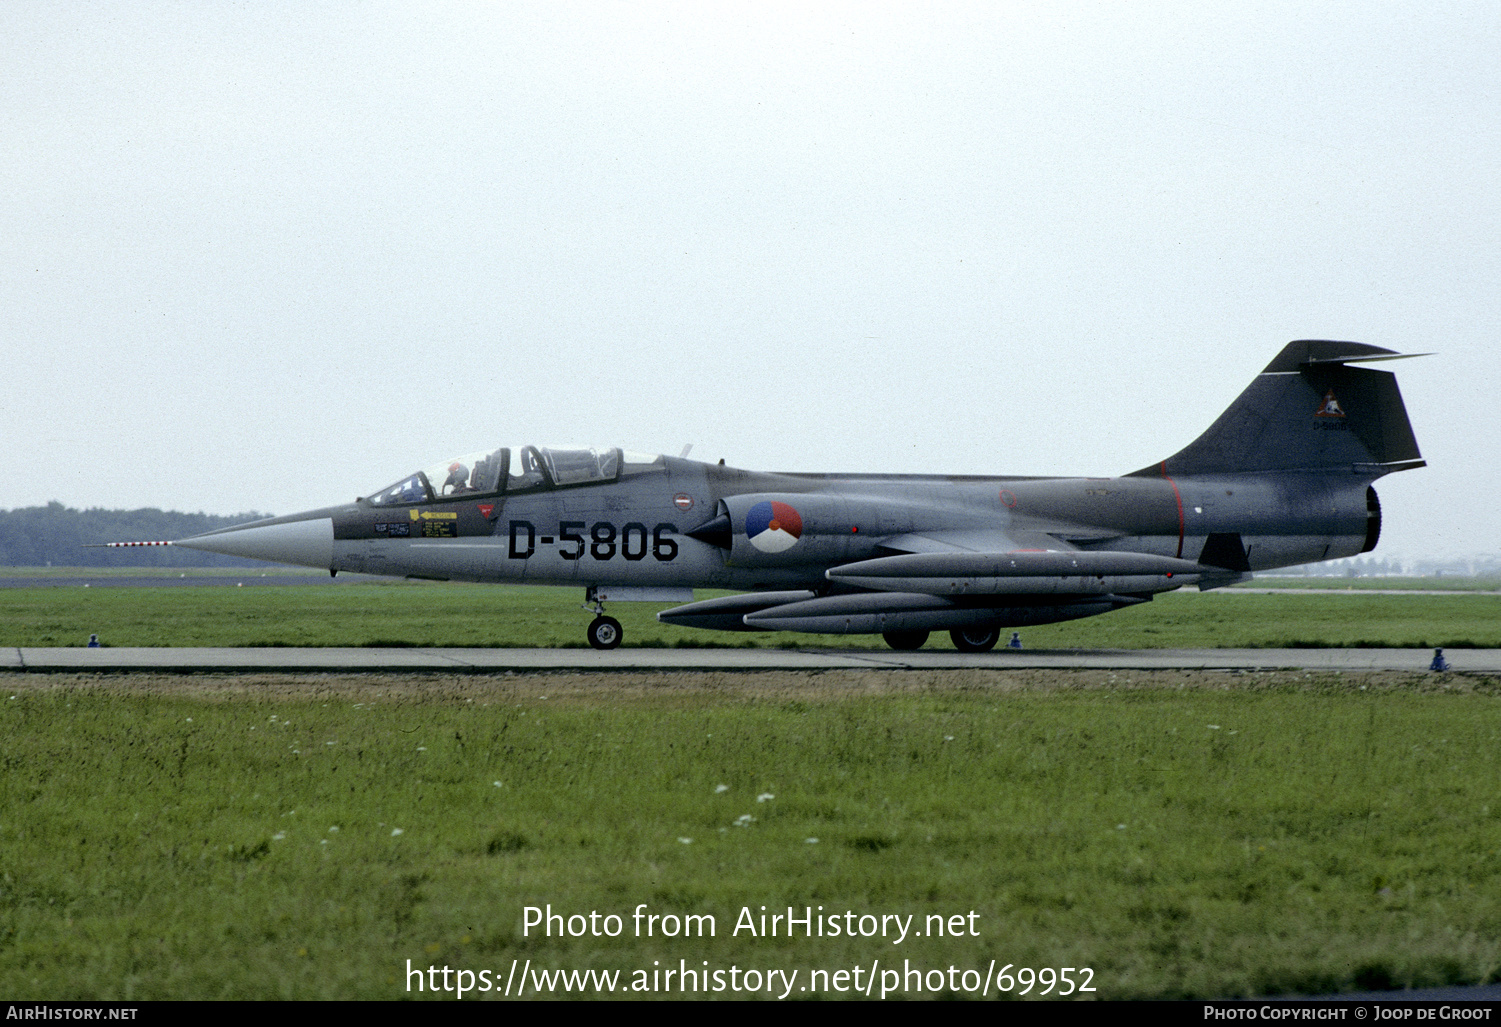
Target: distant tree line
[
  {"x": 1486, "y": 566},
  {"x": 55, "y": 535}
]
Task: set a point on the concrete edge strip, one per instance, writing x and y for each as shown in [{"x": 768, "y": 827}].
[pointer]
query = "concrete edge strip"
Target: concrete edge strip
[{"x": 462, "y": 661}]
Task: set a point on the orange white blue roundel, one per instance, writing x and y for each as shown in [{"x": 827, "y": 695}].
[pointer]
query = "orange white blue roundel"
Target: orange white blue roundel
[{"x": 773, "y": 527}]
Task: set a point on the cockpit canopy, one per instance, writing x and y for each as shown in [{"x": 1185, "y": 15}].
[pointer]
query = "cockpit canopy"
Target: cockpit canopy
[{"x": 516, "y": 469}]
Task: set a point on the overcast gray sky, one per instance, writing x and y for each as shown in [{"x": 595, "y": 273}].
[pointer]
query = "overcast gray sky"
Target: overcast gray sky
[{"x": 272, "y": 256}]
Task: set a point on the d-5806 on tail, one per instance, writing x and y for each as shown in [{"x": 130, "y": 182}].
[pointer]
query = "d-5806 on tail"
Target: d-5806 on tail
[{"x": 1282, "y": 477}]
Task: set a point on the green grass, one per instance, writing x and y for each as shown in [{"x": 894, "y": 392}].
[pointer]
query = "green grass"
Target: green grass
[
  {"x": 1443, "y": 583},
  {"x": 456, "y": 615},
  {"x": 175, "y": 838}
]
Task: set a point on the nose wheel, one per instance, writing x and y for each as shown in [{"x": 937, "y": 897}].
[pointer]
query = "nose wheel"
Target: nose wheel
[{"x": 604, "y": 632}]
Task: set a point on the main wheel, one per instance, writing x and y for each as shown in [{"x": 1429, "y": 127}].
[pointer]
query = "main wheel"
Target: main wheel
[
  {"x": 905, "y": 641},
  {"x": 605, "y": 633},
  {"x": 975, "y": 640}
]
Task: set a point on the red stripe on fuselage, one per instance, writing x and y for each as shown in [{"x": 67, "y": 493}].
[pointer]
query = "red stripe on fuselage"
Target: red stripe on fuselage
[{"x": 1179, "y": 498}]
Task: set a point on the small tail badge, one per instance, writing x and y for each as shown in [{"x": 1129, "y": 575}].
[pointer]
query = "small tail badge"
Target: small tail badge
[{"x": 1330, "y": 406}]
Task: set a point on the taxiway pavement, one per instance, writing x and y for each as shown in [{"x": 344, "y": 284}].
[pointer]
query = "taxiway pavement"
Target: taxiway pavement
[{"x": 489, "y": 661}]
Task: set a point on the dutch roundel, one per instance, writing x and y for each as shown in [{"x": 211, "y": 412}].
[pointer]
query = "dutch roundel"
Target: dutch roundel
[{"x": 773, "y": 527}]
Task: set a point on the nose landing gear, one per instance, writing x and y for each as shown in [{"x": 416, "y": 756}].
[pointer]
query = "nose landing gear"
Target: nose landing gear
[{"x": 604, "y": 632}]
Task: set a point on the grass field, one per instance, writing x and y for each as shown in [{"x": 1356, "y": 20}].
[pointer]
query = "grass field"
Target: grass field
[
  {"x": 1443, "y": 583},
  {"x": 458, "y": 615},
  {"x": 1180, "y": 834}
]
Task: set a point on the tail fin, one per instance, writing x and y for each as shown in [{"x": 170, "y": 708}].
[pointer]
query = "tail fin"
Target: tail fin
[{"x": 1308, "y": 410}]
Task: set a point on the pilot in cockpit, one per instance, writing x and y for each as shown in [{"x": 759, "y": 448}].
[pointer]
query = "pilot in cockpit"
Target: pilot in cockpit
[{"x": 458, "y": 479}]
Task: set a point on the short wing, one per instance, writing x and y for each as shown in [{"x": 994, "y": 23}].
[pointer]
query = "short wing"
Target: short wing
[
  {"x": 973, "y": 540},
  {"x": 942, "y": 580}
]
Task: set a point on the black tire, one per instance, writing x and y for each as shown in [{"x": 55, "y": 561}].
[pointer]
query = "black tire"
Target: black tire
[
  {"x": 905, "y": 641},
  {"x": 975, "y": 640},
  {"x": 605, "y": 633}
]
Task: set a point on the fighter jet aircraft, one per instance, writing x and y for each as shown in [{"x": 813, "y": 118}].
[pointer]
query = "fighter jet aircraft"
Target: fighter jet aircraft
[{"x": 1283, "y": 477}]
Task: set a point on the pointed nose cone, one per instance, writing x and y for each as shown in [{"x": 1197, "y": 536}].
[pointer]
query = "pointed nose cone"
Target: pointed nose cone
[{"x": 309, "y": 543}]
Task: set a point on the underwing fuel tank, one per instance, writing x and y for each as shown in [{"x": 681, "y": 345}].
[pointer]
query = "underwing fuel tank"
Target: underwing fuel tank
[
  {"x": 727, "y": 613},
  {"x": 914, "y": 611},
  {"x": 1019, "y": 573}
]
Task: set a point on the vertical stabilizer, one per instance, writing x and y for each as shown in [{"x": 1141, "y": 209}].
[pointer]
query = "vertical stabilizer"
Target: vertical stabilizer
[{"x": 1309, "y": 410}]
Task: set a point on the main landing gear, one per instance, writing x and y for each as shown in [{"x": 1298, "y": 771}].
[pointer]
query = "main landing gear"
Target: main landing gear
[
  {"x": 975, "y": 640},
  {"x": 604, "y": 632},
  {"x": 966, "y": 640},
  {"x": 905, "y": 641}
]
